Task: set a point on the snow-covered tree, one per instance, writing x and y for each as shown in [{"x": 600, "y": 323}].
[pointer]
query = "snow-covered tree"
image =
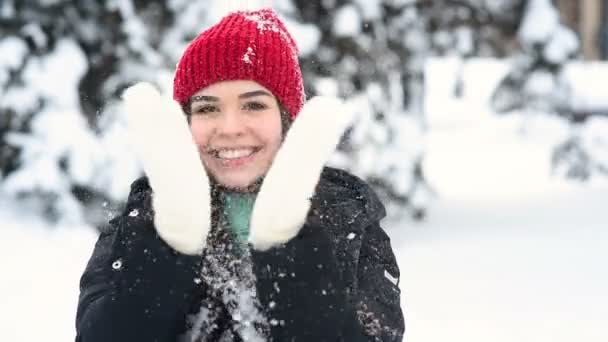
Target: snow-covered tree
[
  {"x": 374, "y": 54},
  {"x": 541, "y": 81},
  {"x": 64, "y": 64}
]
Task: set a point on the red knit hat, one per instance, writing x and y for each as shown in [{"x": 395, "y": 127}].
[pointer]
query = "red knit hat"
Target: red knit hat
[{"x": 244, "y": 45}]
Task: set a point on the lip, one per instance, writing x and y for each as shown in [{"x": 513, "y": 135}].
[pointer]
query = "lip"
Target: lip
[
  {"x": 220, "y": 148},
  {"x": 234, "y": 162}
]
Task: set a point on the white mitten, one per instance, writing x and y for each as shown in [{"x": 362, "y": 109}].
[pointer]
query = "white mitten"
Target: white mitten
[
  {"x": 162, "y": 140},
  {"x": 295, "y": 172}
]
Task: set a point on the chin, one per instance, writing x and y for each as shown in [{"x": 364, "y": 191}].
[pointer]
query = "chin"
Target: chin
[{"x": 242, "y": 185}]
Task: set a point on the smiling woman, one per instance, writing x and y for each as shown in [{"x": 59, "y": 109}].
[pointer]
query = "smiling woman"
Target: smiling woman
[
  {"x": 238, "y": 232},
  {"x": 236, "y": 126}
]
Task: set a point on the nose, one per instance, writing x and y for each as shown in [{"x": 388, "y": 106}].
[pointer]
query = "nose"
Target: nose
[{"x": 231, "y": 124}]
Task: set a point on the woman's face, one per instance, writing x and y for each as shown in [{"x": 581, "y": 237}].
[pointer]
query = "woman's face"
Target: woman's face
[{"x": 236, "y": 126}]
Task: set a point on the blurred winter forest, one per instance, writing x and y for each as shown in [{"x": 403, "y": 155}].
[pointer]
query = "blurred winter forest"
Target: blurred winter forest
[{"x": 64, "y": 64}]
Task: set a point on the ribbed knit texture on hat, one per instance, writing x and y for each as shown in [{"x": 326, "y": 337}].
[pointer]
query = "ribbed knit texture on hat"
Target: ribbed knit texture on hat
[{"x": 244, "y": 45}]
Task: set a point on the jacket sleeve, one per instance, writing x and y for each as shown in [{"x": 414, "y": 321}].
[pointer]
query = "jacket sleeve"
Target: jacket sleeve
[
  {"x": 135, "y": 287},
  {"x": 378, "y": 305}
]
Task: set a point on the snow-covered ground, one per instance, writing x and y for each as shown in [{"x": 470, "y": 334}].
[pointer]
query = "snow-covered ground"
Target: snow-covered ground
[
  {"x": 41, "y": 267},
  {"x": 510, "y": 268},
  {"x": 528, "y": 270},
  {"x": 508, "y": 253}
]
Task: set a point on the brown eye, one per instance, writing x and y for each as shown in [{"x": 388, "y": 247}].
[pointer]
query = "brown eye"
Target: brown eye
[
  {"x": 255, "y": 106},
  {"x": 201, "y": 110}
]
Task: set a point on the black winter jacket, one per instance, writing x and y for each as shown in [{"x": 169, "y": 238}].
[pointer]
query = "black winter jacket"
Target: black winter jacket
[{"x": 335, "y": 281}]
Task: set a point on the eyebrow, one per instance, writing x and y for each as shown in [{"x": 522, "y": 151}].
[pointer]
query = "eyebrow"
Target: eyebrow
[
  {"x": 254, "y": 93},
  {"x": 207, "y": 98}
]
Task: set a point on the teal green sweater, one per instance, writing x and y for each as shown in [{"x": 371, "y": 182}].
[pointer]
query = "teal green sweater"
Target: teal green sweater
[{"x": 237, "y": 212}]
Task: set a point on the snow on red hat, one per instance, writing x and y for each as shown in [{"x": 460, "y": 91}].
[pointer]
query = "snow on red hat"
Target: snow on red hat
[{"x": 244, "y": 45}]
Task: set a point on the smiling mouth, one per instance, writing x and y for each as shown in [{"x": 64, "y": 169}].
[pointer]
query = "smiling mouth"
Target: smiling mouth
[{"x": 233, "y": 153}]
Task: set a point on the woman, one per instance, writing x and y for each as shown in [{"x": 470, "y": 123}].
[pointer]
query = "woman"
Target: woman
[{"x": 243, "y": 235}]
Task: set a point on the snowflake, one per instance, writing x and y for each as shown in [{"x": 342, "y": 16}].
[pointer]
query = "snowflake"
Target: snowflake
[{"x": 247, "y": 55}]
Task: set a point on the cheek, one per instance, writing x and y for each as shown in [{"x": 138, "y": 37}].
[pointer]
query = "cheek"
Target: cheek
[
  {"x": 274, "y": 135},
  {"x": 200, "y": 135}
]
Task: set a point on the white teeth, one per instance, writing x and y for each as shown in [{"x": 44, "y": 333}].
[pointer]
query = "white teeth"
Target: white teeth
[{"x": 234, "y": 154}]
